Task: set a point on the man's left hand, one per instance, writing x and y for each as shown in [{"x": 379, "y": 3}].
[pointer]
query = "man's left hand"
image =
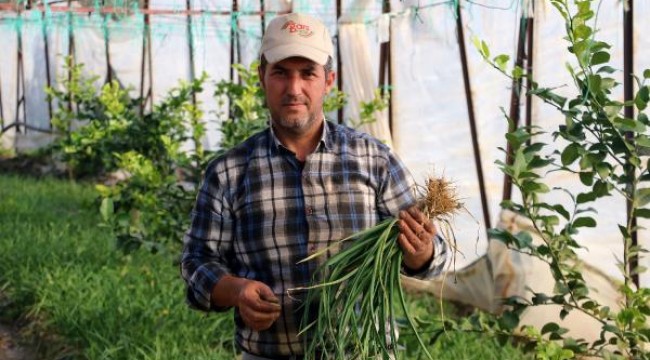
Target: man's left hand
[{"x": 416, "y": 238}]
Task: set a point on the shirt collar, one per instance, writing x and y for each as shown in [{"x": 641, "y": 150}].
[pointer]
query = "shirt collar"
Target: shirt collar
[{"x": 324, "y": 142}]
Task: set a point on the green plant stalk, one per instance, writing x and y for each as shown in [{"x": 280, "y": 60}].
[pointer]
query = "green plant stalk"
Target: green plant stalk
[{"x": 358, "y": 291}]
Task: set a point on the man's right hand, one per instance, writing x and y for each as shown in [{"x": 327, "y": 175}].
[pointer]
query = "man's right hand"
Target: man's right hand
[{"x": 258, "y": 306}]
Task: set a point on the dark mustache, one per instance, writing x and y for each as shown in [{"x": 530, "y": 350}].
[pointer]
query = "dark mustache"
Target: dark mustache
[{"x": 294, "y": 100}]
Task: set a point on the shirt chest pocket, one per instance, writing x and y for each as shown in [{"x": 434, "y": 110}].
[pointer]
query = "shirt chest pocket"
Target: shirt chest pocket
[{"x": 351, "y": 206}]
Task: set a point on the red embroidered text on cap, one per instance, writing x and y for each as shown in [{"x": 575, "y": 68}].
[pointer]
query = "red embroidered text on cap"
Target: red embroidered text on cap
[{"x": 303, "y": 30}]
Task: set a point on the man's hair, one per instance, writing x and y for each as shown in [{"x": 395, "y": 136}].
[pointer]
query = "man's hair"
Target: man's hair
[{"x": 328, "y": 65}]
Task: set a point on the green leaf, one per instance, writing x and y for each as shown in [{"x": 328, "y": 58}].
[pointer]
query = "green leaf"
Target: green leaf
[
  {"x": 534, "y": 187},
  {"x": 603, "y": 170},
  {"x": 612, "y": 111},
  {"x": 538, "y": 162},
  {"x": 601, "y": 188},
  {"x": 549, "y": 221},
  {"x": 509, "y": 321},
  {"x": 524, "y": 239},
  {"x": 533, "y": 148},
  {"x": 558, "y": 6},
  {"x": 642, "y": 197},
  {"x": 642, "y": 97},
  {"x": 519, "y": 165},
  {"x": 607, "y": 84},
  {"x": 549, "y": 95},
  {"x": 517, "y": 72},
  {"x": 642, "y": 140},
  {"x": 644, "y": 213},
  {"x": 624, "y": 124},
  {"x": 570, "y": 154},
  {"x": 567, "y": 354},
  {"x": 550, "y": 327},
  {"x": 582, "y": 31},
  {"x": 103, "y": 190},
  {"x": 587, "y": 178},
  {"x": 606, "y": 69},
  {"x": 584, "y": 222},
  {"x": 562, "y": 211},
  {"x": 517, "y": 138},
  {"x": 600, "y": 57},
  {"x": 502, "y": 235},
  {"x": 501, "y": 61},
  {"x": 485, "y": 49},
  {"x": 623, "y": 230},
  {"x": 585, "y": 197},
  {"x": 589, "y": 305},
  {"x": 540, "y": 298},
  {"x": 477, "y": 44},
  {"x": 563, "y": 313},
  {"x": 106, "y": 209},
  {"x": 646, "y": 73}
]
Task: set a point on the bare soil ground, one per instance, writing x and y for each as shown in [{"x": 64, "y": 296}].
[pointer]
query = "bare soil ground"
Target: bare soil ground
[
  {"x": 10, "y": 345},
  {"x": 31, "y": 165}
]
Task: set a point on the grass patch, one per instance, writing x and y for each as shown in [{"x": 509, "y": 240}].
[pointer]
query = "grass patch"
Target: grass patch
[
  {"x": 452, "y": 345},
  {"x": 61, "y": 274}
]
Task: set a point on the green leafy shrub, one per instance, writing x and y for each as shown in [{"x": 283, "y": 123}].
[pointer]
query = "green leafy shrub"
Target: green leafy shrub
[
  {"x": 246, "y": 112},
  {"x": 604, "y": 151},
  {"x": 92, "y": 126},
  {"x": 104, "y": 131},
  {"x": 151, "y": 206}
]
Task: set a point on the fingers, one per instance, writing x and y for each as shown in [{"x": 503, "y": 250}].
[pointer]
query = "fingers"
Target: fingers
[
  {"x": 417, "y": 222},
  {"x": 258, "y": 320},
  {"x": 406, "y": 245},
  {"x": 258, "y": 306},
  {"x": 415, "y": 239},
  {"x": 415, "y": 226}
]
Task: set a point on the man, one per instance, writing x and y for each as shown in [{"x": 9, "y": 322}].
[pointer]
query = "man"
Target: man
[{"x": 288, "y": 191}]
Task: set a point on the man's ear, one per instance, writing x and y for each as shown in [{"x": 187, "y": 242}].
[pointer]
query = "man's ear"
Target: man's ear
[
  {"x": 330, "y": 79},
  {"x": 260, "y": 74}
]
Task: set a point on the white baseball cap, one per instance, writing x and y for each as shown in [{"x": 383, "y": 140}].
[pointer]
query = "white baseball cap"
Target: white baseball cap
[{"x": 296, "y": 35}]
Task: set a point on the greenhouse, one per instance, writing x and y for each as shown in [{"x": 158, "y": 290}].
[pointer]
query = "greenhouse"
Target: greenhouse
[{"x": 535, "y": 112}]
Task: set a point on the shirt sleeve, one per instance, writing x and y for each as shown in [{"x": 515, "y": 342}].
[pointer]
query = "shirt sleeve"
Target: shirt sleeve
[
  {"x": 397, "y": 188},
  {"x": 207, "y": 245}
]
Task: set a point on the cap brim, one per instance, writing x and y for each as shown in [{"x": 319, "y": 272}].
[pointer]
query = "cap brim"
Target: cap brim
[{"x": 282, "y": 52}]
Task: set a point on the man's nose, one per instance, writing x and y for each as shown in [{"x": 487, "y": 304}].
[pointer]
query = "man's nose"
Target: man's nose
[{"x": 294, "y": 85}]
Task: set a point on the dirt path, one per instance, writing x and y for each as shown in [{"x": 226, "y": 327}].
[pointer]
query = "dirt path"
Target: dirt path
[{"x": 9, "y": 345}]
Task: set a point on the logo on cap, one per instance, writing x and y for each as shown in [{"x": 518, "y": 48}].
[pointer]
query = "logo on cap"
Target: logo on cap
[{"x": 301, "y": 29}]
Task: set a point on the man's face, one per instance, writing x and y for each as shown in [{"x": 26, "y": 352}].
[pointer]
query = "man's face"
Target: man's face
[{"x": 295, "y": 89}]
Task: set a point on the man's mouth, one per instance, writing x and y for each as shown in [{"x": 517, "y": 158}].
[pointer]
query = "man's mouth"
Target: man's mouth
[{"x": 293, "y": 104}]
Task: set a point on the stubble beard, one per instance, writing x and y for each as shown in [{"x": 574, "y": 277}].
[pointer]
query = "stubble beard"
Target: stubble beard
[{"x": 296, "y": 123}]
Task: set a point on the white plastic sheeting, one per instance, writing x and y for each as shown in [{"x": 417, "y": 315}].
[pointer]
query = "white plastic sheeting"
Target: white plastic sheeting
[
  {"x": 360, "y": 81},
  {"x": 504, "y": 273},
  {"x": 434, "y": 133},
  {"x": 430, "y": 117}
]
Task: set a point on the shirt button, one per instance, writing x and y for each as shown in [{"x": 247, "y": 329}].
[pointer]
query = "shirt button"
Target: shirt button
[{"x": 309, "y": 210}]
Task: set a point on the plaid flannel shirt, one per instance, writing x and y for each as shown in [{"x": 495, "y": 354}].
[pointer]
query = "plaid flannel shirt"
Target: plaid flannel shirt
[{"x": 259, "y": 212}]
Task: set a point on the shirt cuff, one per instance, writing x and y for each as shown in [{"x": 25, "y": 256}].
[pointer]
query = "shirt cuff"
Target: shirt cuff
[
  {"x": 435, "y": 266},
  {"x": 199, "y": 291}
]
